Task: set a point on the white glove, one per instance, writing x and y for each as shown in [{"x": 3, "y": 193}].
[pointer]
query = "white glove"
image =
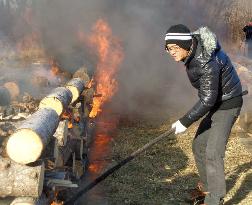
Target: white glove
[{"x": 179, "y": 128}]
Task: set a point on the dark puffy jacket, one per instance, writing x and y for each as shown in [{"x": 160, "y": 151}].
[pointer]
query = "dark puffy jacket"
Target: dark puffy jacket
[{"x": 210, "y": 71}]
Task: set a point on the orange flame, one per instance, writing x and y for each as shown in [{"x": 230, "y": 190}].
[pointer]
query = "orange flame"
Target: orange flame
[
  {"x": 110, "y": 55},
  {"x": 99, "y": 149},
  {"x": 67, "y": 115},
  {"x": 55, "y": 70}
]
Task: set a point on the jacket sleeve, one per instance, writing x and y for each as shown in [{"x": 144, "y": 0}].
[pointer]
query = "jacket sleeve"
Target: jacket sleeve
[{"x": 208, "y": 93}]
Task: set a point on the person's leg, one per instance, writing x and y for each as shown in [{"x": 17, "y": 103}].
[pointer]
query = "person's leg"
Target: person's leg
[
  {"x": 222, "y": 122},
  {"x": 199, "y": 148}
]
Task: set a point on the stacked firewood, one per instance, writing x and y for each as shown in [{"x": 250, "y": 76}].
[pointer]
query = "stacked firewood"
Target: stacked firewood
[{"x": 38, "y": 150}]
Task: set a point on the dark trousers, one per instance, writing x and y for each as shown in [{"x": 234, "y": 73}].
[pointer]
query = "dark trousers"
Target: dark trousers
[{"x": 209, "y": 147}]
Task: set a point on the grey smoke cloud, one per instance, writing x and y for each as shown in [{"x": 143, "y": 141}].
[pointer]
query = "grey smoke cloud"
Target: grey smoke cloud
[{"x": 148, "y": 78}]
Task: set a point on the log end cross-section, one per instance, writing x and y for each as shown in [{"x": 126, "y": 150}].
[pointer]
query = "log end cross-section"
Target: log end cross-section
[
  {"x": 58, "y": 100},
  {"x": 76, "y": 86},
  {"x": 29, "y": 140}
]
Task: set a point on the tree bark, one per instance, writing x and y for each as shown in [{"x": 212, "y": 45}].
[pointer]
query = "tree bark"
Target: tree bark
[
  {"x": 29, "y": 140},
  {"x": 58, "y": 100},
  {"x": 76, "y": 86},
  {"x": 20, "y": 180}
]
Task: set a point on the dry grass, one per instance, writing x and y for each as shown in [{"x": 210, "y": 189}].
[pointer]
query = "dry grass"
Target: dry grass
[{"x": 161, "y": 175}]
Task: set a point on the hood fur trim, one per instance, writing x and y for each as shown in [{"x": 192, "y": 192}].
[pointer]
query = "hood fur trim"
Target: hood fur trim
[{"x": 207, "y": 39}]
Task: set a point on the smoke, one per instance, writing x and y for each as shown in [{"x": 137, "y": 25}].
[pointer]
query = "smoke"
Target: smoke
[{"x": 149, "y": 81}]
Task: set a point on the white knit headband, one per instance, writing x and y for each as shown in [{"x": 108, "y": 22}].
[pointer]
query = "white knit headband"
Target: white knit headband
[{"x": 178, "y": 36}]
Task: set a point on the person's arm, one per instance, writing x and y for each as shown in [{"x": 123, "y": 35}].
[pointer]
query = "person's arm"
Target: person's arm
[{"x": 208, "y": 92}]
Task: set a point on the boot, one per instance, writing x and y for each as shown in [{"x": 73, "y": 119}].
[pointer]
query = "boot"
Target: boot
[{"x": 196, "y": 196}]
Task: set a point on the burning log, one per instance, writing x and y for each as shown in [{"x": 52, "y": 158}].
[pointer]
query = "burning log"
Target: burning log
[
  {"x": 20, "y": 180},
  {"x": 58, "y": 100},
  {"x": 29, "y": 140},
  {"x": 76, "y": 86}
]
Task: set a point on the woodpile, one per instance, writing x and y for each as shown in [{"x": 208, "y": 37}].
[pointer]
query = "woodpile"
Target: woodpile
[{"x": 41, "y": 150}]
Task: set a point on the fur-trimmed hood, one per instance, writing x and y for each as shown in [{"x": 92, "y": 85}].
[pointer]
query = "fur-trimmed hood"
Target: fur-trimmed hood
[{"x": 207, "y": 44}]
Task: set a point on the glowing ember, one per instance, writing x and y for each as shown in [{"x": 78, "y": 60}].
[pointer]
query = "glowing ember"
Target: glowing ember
[{"x": 110, "y": 57}]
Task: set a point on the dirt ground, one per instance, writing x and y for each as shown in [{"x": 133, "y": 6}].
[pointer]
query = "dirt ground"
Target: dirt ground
[{"x": 161, "y": 175}]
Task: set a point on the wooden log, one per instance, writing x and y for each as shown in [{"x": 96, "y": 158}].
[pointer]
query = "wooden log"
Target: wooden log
[
  {"x": 20, "y": 180},
  {"x": 30, "y": 201},
  {"x": 26, "y": 144},
  {"x": 61, "y": 133},
  {"x": 76, "y": 86},
  {"x": 58, "y": 100},
  {"x": 5, "y": 96}
]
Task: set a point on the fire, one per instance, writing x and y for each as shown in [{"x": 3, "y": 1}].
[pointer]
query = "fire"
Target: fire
[
  {"x": 54, "y": 68},
  {"x": 110, "y": 55},
  {"x": 67, "y": 115},
  {"x": 100, "y": 149}
]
